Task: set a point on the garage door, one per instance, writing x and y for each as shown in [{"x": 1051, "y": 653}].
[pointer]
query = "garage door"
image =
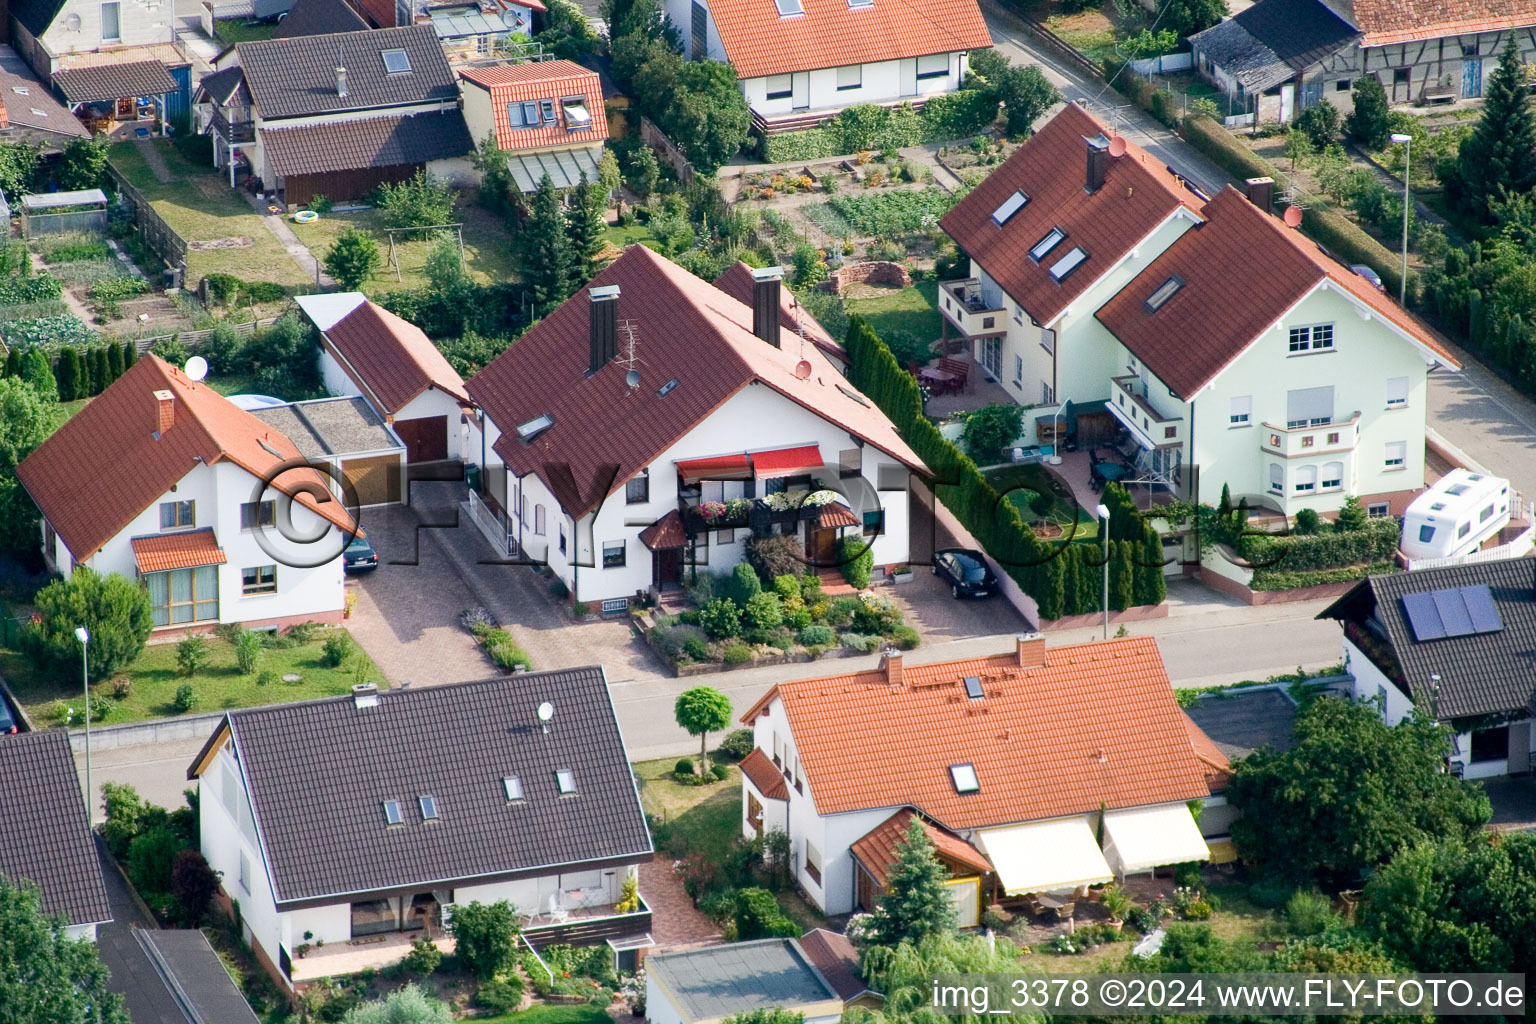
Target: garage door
[
  {"x": 374, "y": 481},
  {"x": 426, "y": 439}
]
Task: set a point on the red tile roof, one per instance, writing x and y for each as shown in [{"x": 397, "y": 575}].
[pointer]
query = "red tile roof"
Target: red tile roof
[
  {"x": 666, "y": 532},
  {"x": 836, "y": 514},
  {"x": 1139, "y": 193},
  {"x": 539, "y": 80},
  {"x": 165, "y": 551},
  {"x": 105, "y": 466},
  {"x": 1242, "y": 270},
  {"x": 687, "y": 330},
  {"x": 1217, "y": 769},
  {"x": 738, "y": 284},
  {"x": 836, "y": 959},
  {"x": 767, "y": 779},
  {"x": 831, "y": 33},
  {"x": 876, "y": 850},
  {"x": 1097, "y": 725},
  {"x": 391, "y": 358},
  {"x": 1398, "y": 21}
]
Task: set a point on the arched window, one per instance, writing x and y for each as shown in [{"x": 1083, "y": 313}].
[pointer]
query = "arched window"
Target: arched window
[
  {"x": 1276, "y": 478},
  {"x": 1333, "y": 476},
  {"x": 1306, "y": 479}
]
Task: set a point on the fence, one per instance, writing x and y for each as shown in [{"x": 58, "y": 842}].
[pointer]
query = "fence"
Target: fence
[
  {"x": 1517, "y": 547},
  {"x": 1164, "y": 64},
  {"x": 666, "y": 149},
  {"x": 192, "y": 339},
  {"x": 1065, "y": 49},
  {"x": 160, "y": 236},
  {"x": 1239, "y": 120}
]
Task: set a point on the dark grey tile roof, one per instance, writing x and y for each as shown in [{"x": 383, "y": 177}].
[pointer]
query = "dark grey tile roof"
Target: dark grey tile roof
[
  {"x": 330, "y": 426},
  {"x": 195, "y": 977},
  {"x": 719, "y": 981},
  {"x": 1232, "y": 48},
  {"x": 294, "y": 77},
  {"x": 221, "y": 86},
  {"x": 375, "y": 142},
  {"x": 319, "y": 17},
  {"x": 1240, "y": 723},
  {"x": 35, "y": 115},
  {"x": 1300, "y": 32},
  {"x": 319, "y": 772},
  {"x": 43, "y": 832},
  {"x": 114, "y": 81},
  {"x": 1479, "y": 674}
]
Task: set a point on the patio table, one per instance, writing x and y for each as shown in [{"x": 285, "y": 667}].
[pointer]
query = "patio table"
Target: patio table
[
  {"x": 1108, "y": 471},
  {"x": 937, "y": 380}
]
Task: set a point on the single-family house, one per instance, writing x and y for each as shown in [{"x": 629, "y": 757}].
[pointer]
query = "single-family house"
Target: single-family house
[
  {"x": 114, "y": 62},
  {"x": 802, "y": 61},
  {"x": 652, "y": 425},
  {"x": 1217, "y": 337},
  {"x": 1457, "y": 644},
  {"x": 367, "y": 350},
  {"x": 1423, "y": 51},
  {"x": 348, "y": 828},
  {"x": 1278, "y": 57},
  {"x": 45, "y": 837},
  {"x": 737, "y": 282},
  {"x": 705, "y": 986},
  {"x": 1036, "y": 771},
  {"x": 547, "y": 116},
  {"x": 339, "y": 114},
  {"x": 203, "y": 503},
  {"x": 28, "y": 110}
]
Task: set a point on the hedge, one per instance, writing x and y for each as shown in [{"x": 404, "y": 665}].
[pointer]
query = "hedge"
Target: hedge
[
  {"x": 944, "y": 118},
  {"x": 1342, "y": 237},
  {"x": 1063, "y": 578},
  {"x": 1266, "y": 580},
  {"x": 1376, "y": 541}
]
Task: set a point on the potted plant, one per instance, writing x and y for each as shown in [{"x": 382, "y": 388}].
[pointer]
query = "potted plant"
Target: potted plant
[
  {"x": 901, "y": 574},
  {"x": 1118, "y": 904}
]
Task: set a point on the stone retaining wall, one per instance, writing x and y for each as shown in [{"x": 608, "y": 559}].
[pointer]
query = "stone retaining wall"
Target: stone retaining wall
[{"x": 873, "y": 272}]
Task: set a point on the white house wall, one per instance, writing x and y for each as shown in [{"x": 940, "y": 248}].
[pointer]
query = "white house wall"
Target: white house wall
[
  {"x": 140, "y": 23},
  {"x": 879, "y": 82},
  {"x": 227, "y": 830},
  {"x": 1372, "y": 684}
]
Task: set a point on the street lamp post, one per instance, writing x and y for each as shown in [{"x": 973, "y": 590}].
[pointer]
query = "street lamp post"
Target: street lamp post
[
  {"x": 1407, "y": 143},
  {"x": 1104, "y": 530},
  {"x": 84, "y": 636}
]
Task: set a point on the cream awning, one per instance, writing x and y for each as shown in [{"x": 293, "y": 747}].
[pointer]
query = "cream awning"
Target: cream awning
[
  {"x": 1045, "y": 856},
  {"x": 1142, "y": 838}
]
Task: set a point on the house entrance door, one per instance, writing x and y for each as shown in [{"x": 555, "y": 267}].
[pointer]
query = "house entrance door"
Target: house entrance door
[
  {"x": 1471, "y": 78},
  {"x": 1287, "y": 102},
  {"x": 823, "y": 546},
  {"x": 667, "y": 567},
  {"x": 907, "y": 72},
  {"x": 1520, "y": 747}
]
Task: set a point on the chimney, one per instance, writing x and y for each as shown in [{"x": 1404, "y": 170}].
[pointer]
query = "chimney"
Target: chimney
[
  {"x": 765, "y": 303},
  {"x": 1261, "y": 193},
  {"x": 1098, "y": 163},
  {"x": 890, "y": 664},
  {"x": 341, "y": 81},
  {"x": 603, "y": 326},
  {"x": 165, "y": 412},
  {"x": 1029, "y": 650},
  {"x": 365, "y": 695}
]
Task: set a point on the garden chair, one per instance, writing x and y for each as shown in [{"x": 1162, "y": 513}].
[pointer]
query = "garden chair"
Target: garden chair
[{"x": 557, "y": 912}]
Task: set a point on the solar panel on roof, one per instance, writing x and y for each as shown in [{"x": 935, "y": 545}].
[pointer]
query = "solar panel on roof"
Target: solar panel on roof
[
  {"x": 1452, "y": 612},
  {"x": 1423, "y": 618},
  {"x": 1485, "y": 617}
]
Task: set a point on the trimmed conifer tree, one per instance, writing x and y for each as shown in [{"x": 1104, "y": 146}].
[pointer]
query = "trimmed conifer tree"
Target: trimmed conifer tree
[
  {"x": 1499, "y": 157},
  {"x": 916, "y": 903},
  {"x": 545, "y": 250}
]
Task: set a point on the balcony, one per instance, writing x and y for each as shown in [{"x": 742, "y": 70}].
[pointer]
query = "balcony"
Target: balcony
[
  {"x": 1131, "y": 406},
  {"x": 1337, "y": 437},
  {"x": 962, "y": 304},
  {"x": 756, "y": 514}
]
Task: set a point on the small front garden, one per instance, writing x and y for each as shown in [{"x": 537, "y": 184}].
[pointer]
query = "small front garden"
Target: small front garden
[{"x": 1044, "y": 502}]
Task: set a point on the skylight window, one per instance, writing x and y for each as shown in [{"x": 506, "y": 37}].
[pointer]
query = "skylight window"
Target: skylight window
[
  {"x": 513, "y": 787},
  {"x": 973, "y": 687},
  {"x": 577, "y": 116},
  {"x": 565, "y": 781},
  {"x": 268, "y": 448},
  {"x": 531, "y": 113},
  {"x": 428, "y": 808},
  {"x": 21, "y": 90},
  {"x": 533, "y": 428},
  {"x": 396, "y": 62},
  {"x": 667, "y": 388},
  {"x": 1163, "y": 294},
  {"x": 964, "y": 778},
  {"x": 1068, "y": 263},
  {"x": 548, "y": 107},
  {"x": 853, "y": 395},
  {"x": 788, "y": 8},
  {"x": 1050, "y": 241},
  {"x": 392, "y": 814},
  {"x": 1012, "y": 205},
  {"x": 856, "y": 4}
]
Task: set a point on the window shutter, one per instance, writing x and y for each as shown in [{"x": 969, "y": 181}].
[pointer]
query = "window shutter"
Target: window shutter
[
  {"x": 1307, "y": 404},
  {"x": 1397, "y": 391}
]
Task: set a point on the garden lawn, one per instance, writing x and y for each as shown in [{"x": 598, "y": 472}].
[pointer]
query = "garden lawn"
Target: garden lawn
[
  {"x": 707, "y": 818},
  {"x": 218, "y": 685},
  {"x": 1239, "y": 920},
  {"x": 236, "y": 30},
  {"x": 1018, "y": 484},
  {"x": 201, "y": 207},
  {"x": 544, "y": 1013},
  {"x": 914, "y": 310},
  {"x": 488, "y": 253},
  {"x": 620, "y": 235}
]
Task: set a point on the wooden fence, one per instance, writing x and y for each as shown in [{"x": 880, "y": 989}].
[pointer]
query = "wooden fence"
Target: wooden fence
[
  {"x": 666, "y": 149},
  {"x": 192, "y": 339},
  {"x": 1064, "y": 49},
  {"x": 160, "y": 236}
]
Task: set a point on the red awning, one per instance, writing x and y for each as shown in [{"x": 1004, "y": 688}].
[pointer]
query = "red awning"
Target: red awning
[
  {"x": 786, "y": 461},
  {"x": 717, "y": 467}
]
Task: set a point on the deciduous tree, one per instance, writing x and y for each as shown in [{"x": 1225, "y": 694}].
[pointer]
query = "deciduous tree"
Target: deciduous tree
[
  {"x": 486, "y": 936},
  {"x": 114, "y": 609},
  {"x": 352, "y": 258},
  {"x": 701, "y": 711},
  {"x": 45, "y": 976}
]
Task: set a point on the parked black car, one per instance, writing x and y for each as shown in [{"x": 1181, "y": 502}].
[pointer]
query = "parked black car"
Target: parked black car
[
  {"x": 359, "y": 556},
  {"x": 966, "y": 571},
  {"x": 7, "y": 720}
]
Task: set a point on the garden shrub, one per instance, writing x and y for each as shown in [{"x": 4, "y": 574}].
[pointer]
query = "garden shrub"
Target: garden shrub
[
  {"x": 856, "y": 559},
  {"x": 423, "y": 958},
  {"x": 192, "y": 654},
  {"x": 758, "y": 916},
  {"x": 696, "y": 648},
  {"x": 1376, "y": 542},
  {"x": 905, "y": 637},
  {"x": 186, "y": 698},
  {"x": 817, "y": 635},
  {"x": 509, "y": 656},
  {"x": 737, "y": 744},
  {"x": 336, "y": 648},
  {"x": 736, "y": 654},
  {"x": 500, "y": 995},
  {"x": 763, "y": 611},
  {"x": 486, "y": 937},
  {"x": 1165, "y": 107},
  {"x": 720, "y": 771},
  {"x": 860, "y": 642},
  {"x": 745, "y": 584},
  {"x": 684, "y": 767},
  {"x": 841, "y": 611},
  {"x": 193, "y": 884},
  {"x": 247, "y": 645},
  {"x": 720, "y": 618},
  {"x": 151, "y": 857}
]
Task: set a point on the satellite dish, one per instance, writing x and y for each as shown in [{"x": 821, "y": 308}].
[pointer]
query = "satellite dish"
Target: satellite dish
[
  {"x": 1292, "y": 216},
  {"x": 1117, "y": 146},
  {"x": 72, "y": 22},
  {"x": 803, "y": 369},
  {"x": 197, "y": 368},
  {"x": 632, "y": 378},
  {"x": 546, "y": 711}
]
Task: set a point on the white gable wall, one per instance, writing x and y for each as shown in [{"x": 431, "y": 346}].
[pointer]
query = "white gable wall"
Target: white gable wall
[{"x": 228, "y": 832}]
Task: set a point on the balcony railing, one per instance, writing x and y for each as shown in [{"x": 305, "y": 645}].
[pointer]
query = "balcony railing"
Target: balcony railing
[
  {"x": 1131, "y": 406},
  {"x": 745, "y": 513},
  {"x": 963, "y": 305},
  {"x": 1321, "y": 439}
]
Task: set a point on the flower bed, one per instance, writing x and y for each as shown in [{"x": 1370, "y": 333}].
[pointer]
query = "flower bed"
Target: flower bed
[{"x": 495, "y": 640}]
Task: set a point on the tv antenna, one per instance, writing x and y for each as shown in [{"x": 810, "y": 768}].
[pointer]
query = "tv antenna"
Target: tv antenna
[{"x": 630, "y": 361}]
